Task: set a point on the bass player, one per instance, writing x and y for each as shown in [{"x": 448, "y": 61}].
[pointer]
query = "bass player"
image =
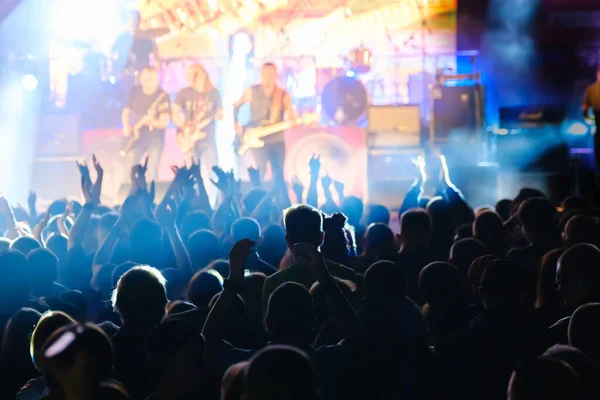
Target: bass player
[
  {"x": 268, "y": 105},
  {"x": 195, "y": 110},
  {"x": 149, "y": 106}
]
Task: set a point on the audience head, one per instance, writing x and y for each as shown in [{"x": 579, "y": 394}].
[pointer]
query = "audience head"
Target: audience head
[
  {"x": 194, "y": 221},
  {"x": 145, "y": 240},
  {"x": 221, "y": 266},
  {"x": 290, "y": 313},
  {"x": 14, "y": 285},
  {"x": 120, "y": 270},
  {"x": 25, "y": 245},
  {"x": 581, "y": 229},
  {"x": 476, "y": 271},
  {"x": 546, "y": 292},
  {"x": 280, "y": 372},
  {"x": 203, "y": 247},
  {"x": 440, "y": 214},
  {"x": 537, "y": 217},
  {"x": 303, "y": 224},
  {"x": 202, "y": 288},
  {"x": 464, "y": 252},
  {"x": 573, "y": 203},
  {"x": 544, "y": 378},
  {"x": 379, "y": 239},
  {"x": 581, "y": 364},
  {"x": 335, "y": 244},
  {"x": 140, "y": 297},
  {"x": 58, "y": 245},
  {"x": 15, "y": 344},
  {"x": 378, "y": 214},
  {"x": 353, "y": 208},
  {"x": 48, "y": 323},
  {"x": 4, "y": 244},
  {"x": 441, "y": 285},
  {"x": 503, "y": 209},
  {"x": 232, "y": 385},
  {"x": 245, "y": 228},
  {"x": 78, "y": 352},
  {"x": 464, "y": 231},
  {"x": 43, "y": 271},
  {"x": 385, "y": 280},
  {"x": 489, "y": 229},
  {"x": 579, "y": 275},
  {"x": 415, "y": 228},
  {"x": 584, "y": 328},
  {"x": 503, "y": 286}
]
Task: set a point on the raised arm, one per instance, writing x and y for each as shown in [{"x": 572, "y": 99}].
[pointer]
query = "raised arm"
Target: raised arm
[
  {"x": 216, "y": 322},
  {"x": 341, "y": 309},
  {"x": 312, "y": 197},
  {"x": 9, "y": 219},
  {"x": 288, "y": 107},
  {"x": 165, "y": 214}
]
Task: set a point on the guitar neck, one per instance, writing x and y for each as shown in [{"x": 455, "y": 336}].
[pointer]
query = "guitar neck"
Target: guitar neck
[{"x": 280, "y": 126}]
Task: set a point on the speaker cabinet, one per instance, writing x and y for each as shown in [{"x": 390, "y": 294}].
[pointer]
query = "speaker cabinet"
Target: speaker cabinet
[{"x": 394, "y": 126}]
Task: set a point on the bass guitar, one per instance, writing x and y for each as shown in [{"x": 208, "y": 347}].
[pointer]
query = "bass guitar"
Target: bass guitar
[
  {"x": 145, "y": 121},
  {"x": 252, "y": 138}
]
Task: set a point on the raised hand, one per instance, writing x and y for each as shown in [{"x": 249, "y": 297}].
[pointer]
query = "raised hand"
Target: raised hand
[
  {"x": 195, "y": 170},
  {"x": 96, "y": 190},
  {"x": 166, "y": 213},
  {"x": 307, "y": 253},
  {"x": 254, "y": 175},
  {"x": 339, "y": 188},
  {"x": 84, "y": 171},
  {"x": 32, "y": 201},
  {"x": 222, "y": 182},
  {"x": 237, "y": 258},
  {"x": 298, "y": 188},
  {"x": 315, "y": 166}
]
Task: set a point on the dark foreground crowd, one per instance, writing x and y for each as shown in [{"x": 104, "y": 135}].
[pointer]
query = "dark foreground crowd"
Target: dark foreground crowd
[{"x": 260, "y": 299}]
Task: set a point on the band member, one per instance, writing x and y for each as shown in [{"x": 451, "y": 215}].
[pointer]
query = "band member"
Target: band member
[
  {"x": 149, "y": 107},
  {"x": 133, "y": 50},
  {"x": 591, "y": 101},
  {"x": 196, "y": 103},
  {"x": 268, "y": 104}
]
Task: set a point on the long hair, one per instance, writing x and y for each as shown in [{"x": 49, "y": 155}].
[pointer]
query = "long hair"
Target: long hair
[{"x": 208, "y": 86}]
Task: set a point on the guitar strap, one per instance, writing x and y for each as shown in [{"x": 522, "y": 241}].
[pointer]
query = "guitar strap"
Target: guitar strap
[{"x": 276, "y": 105}]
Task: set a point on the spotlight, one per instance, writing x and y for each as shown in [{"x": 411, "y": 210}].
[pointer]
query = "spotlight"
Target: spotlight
[
  {"x": 112, "y": 80},
  {"x": 350, "y": 73},
  {"x": 241, "y": 44},
  {"x": 29, "y": 82},
  {"x": 578, "y": 128}
]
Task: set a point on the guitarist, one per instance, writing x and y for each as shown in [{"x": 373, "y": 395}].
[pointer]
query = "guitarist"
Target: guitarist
[
  {"x": 268, "y": 105},
  {"x": 591, "y": 102},
  {"x": 198, "y": 101},
  {"x": 142, "y": 105}
]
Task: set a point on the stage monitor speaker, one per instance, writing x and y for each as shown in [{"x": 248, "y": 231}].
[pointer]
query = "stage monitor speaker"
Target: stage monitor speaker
[
  {"x": 58, "y": 136},
  {"x": 457, "y": 111},
  {"x": 394, "y": 126}
]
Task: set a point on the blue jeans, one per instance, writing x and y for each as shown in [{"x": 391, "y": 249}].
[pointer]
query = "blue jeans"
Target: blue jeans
[{"x": 152, "y": 144}]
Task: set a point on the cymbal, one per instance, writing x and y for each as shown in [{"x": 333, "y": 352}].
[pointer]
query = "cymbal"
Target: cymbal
[{"x": 152, "y": 33}]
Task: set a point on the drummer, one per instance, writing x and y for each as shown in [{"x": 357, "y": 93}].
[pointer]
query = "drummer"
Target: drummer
[{"x": 132, "y": 50}]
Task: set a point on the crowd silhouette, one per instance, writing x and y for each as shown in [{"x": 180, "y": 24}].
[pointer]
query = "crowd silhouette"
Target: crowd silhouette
[{"x": 271, "y": 295}]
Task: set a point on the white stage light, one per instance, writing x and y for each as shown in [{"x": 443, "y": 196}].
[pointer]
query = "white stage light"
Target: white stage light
[{"x": 29, "y": 82}]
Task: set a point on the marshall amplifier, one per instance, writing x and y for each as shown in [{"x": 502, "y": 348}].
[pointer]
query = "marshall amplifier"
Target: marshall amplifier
[{"x": 531, "y": 117}]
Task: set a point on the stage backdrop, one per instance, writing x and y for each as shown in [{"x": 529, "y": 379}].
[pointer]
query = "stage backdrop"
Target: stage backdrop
[{"x": 343, "y": 153}]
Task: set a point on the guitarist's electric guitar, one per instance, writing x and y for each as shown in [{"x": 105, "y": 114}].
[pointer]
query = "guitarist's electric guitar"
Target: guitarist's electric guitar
[
  {"x": 187, "y": 137},
  {"x": 145, "y": 121},
  {"x": 253, "y": 137}
]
